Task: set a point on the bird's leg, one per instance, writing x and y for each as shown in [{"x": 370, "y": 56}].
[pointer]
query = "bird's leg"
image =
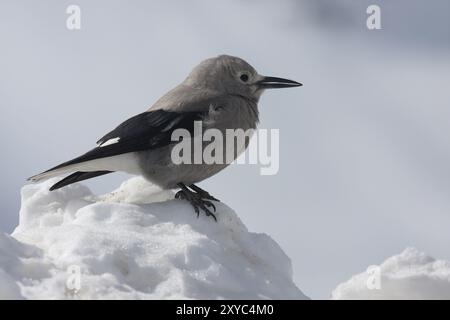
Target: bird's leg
[
  {"x": 196, "y": 200},
  {"x": 204, "y": 194}
]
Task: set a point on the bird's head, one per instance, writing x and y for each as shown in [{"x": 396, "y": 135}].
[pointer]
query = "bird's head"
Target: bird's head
[{"x": 232, "y": 75}]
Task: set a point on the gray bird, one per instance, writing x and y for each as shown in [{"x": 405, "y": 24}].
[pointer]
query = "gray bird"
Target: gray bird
[{"x": 221, "y": 92}]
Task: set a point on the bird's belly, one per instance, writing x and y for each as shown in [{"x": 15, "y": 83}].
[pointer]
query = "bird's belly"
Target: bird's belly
[{"x": 158, "y": 168}]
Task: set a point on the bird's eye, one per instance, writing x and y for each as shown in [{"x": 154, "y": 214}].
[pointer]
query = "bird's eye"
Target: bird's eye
[{"x": 244, "y": 77}]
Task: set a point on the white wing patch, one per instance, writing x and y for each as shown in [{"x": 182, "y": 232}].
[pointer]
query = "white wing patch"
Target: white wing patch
[
  {"x": 171, "y": 124},
  {"x": 109, "y": 142}
]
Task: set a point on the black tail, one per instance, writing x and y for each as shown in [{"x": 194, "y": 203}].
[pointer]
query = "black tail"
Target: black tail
[{"x": 78, "y": 176}]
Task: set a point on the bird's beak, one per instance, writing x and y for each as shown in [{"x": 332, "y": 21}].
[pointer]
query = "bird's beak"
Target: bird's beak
[{"x": 274, "y": 82}]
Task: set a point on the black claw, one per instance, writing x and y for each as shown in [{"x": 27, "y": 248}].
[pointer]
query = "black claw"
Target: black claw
[
  {"x": 208, "y": 212},
  {"x": 179, "y": 195},
  {"x": 204, "y": 194},
  {"x": 213, "y": 198},
  {"x": 197, "y": 199},
  {"x": 210, "y": 204},
  {"x": 212, "y": 215},
  {"x": 197, "y": 211}
]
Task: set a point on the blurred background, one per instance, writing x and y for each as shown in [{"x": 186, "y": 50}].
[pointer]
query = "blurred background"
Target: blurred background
[{"x": 365, "y": 144}]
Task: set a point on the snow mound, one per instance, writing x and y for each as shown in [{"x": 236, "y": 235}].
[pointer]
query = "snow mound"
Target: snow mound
[
  {"x": 410, "y": 275},
  {"x": 126, "y": 245}
]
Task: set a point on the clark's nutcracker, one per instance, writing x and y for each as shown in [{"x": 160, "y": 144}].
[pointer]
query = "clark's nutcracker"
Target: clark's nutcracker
[{"x": 222, "y": 92}]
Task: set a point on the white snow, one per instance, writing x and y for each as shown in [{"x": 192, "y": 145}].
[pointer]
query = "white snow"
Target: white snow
[
  {"x": 139, "y": 243},
  {"x": 127, "y": 245},
  {"x": 410, "y": 275}
]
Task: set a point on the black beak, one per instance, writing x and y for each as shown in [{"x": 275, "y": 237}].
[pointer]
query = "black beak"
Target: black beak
[{"x": 274, "y": 82}]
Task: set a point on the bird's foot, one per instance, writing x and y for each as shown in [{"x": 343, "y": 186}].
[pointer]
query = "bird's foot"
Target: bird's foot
[
  {"x": 197, "y": 201},
  {"x": 204, "y": 194}
]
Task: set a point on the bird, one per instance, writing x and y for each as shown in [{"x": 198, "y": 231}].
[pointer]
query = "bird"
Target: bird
[{"x": 220, "y": 93}]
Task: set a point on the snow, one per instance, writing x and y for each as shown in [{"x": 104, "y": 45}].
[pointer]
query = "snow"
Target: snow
[
  {"x": 135, "y": 243},
  {"x": 410, "y": 275}
]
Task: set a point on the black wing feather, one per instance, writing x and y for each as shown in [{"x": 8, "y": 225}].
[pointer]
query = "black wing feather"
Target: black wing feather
[
  {"x": 145, "y": 131},
  {"x": 77, "y": 176}
]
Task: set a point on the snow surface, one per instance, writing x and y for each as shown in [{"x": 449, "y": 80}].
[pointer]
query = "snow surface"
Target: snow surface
[
  {"x": 410, "y": 275},
  {"x": 137, "y": 242}
]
